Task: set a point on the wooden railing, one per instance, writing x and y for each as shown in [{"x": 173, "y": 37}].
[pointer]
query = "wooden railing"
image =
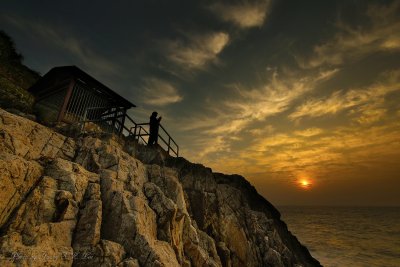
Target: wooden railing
[
  {"x": 139, "y": 131},
  {"x": 114, "y": 121}
]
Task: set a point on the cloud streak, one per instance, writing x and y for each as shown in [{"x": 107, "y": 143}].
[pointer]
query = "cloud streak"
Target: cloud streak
[
  {"x": 197, "y": 51},
  {"x": 158, "y": 92},
  {"x": 244, "y": 15},
  {"x": 369, "y": 101},
  {"x": 232, "y": 117},
  {"x": 309, "y": 132},
  {"x": 351, "y": 42}
]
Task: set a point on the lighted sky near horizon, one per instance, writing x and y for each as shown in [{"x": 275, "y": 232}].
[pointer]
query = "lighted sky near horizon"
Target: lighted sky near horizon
[{"x": 277, "y": 91}]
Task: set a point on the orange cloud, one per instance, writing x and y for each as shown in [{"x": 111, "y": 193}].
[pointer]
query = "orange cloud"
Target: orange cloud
[{"x": 372, "y": 97}]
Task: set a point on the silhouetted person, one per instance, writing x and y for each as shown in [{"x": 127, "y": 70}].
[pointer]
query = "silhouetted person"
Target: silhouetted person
[{"x": 154, "y": 125}]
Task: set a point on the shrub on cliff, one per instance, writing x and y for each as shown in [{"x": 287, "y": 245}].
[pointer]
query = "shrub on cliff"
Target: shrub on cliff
[{"x": 15, "y": 78}]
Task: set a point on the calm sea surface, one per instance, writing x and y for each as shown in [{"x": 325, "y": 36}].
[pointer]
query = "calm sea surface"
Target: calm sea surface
[{"x": 343, "y": 236}]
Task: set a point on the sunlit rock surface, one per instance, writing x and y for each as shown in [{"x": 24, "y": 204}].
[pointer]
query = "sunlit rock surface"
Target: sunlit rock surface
[{"x": 94, "y": 202}]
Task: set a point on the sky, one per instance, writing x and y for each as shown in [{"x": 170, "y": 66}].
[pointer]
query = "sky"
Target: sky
[{"x": 300, "y": 97}]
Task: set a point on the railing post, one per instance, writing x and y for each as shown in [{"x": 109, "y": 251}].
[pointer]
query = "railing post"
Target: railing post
[
  {"x": 134, "y": 133},
  {"x": 123, "y": 121},
  {"x": 84, "y": 120},
  {"x": 169, "y": 143},
  {"x": 114, "y": 120}
]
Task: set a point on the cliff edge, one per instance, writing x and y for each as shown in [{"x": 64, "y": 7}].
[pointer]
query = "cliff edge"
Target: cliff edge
[{"x": 91, "y": 201}]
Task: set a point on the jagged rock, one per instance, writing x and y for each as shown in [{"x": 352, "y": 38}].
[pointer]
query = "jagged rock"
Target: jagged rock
[
  {"x": 167, "y": 179},
  {"x": 34, "y": 238},
  {"x": 189, "y": 243},
  {"x": 32, "y": 141},
  {"x": 224, "y": 254},
  {"x": 89, "y": 202},
  {"x": 153, "y": 154},
  {"x": 109, "y": 159},
  {"x": 71, "y": 177},
  {"x": 17, "y": 176},
  {"x": 164, "y": 208},
  {"x": 129, "y": 262},
  {"x": 239, "y": 217},
  {"x": 87, "y": 231},
  {"x": 41, "y": 232},
  {"x": 113, "y": 253},
  {"x": 208, "y": 245},
  {"x": 66, "y": 206},
  {"x": 273, "y": 258},
  {"x": 106, "y": 253}
]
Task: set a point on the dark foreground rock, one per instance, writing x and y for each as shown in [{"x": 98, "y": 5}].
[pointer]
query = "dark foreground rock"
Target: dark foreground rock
[{"x": 91, "y": 202}]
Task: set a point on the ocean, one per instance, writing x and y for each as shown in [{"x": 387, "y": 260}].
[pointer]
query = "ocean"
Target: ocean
[{"x": 347, "y": 236}]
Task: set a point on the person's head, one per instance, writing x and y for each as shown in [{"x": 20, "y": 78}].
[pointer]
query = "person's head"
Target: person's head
[{"x": 154, "y": 114}]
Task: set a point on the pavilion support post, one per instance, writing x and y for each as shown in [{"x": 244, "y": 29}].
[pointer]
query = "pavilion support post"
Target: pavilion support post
[
  {"x": 67, "y": 97},
  {"x": 122, "y": 121},
  {"x": 114, "y": 118}
]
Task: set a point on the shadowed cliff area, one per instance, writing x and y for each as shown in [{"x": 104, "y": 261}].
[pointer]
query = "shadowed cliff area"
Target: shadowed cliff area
[{"x": 99, "y": 201}]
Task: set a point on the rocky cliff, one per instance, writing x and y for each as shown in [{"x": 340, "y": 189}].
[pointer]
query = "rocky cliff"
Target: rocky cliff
[{"x": 91, "y": 201}]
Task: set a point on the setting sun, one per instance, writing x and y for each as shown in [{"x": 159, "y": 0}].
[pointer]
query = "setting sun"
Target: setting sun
[{"x": 305, "y": 184}]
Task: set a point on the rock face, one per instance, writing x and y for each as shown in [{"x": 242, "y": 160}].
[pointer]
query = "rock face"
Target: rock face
[{"x": 93, "y": 202}]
